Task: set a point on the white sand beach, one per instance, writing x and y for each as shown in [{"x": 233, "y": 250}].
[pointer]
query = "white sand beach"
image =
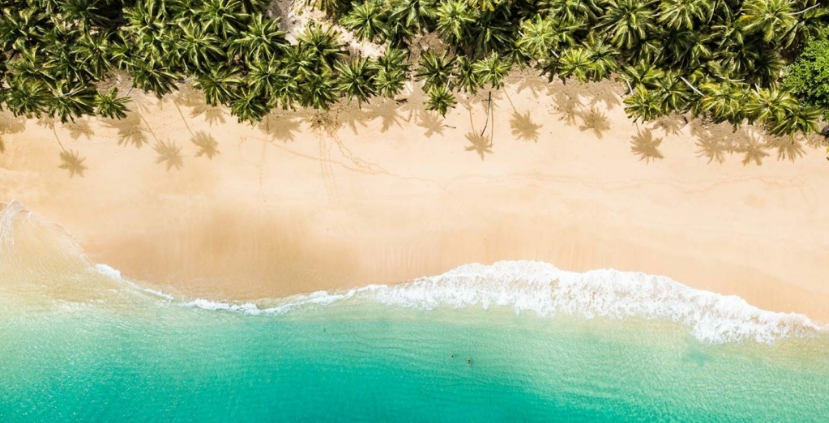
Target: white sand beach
[{"x": 307, "y": 201}]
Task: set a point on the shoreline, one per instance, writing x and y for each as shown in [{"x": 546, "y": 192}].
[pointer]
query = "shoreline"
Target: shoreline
[{"x": 286, "y": 209}]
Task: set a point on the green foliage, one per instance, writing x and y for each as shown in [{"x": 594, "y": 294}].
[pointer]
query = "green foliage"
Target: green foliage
[
  {"x": 722, "y": 59},
  {"x": 808, "y": 77}
]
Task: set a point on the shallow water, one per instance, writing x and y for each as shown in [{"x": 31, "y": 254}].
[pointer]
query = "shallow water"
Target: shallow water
[{"x": 508, "y": 342}]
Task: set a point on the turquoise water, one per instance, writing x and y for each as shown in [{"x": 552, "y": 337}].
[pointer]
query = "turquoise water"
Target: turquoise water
[{"x": 80, "y": 345}]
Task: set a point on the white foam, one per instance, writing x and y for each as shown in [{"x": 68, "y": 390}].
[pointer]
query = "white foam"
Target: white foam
[
  {"x": 546, "y": 290},
  {"x": 116, "y": 275}
]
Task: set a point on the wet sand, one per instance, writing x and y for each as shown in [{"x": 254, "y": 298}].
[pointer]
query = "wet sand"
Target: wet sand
[{"x": 305, "y": 202}]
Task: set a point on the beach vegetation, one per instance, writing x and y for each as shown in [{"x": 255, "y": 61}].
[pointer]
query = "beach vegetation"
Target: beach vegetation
[{"x": 762, "y": 62}]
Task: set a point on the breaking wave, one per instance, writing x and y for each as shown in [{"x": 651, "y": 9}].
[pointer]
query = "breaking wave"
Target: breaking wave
[
  {"x": 525, "y": 286},
  {"x": 546, "y": 290}
]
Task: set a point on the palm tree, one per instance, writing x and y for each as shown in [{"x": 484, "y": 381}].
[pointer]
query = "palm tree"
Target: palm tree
[
  {"x": 771, "y": 18},
  {"x": 249, "y": 107},
  {"x": 643, "y": 104},
  {"x": 222, "y": 17},
  {"x": 628, "y": 21},
  {"x": 27, "y": 98},
  {"x": 200, "y": 50},
  {"x": 575, "y": 63},
  {"x": 543, "y": 36},
  {"x": 86, "y": 13},
  {"x": 93, "y": 53},
  {"x": 154, "y": 78},
  {"x": 218, "y": 84},
  {"x": 723, "y": 102},
  {"x": 261, "y": 40},
  {"x": 684, "y": 14},
  {"x": 453, "y": 19},
  {"x": 111, "y": 106},
  {"x": 414, "y": 14},
  {"x": 491, "y": 70},
  {"x": 572, "y": 10},
  {"x": 435, "y": 70},
  {"x": 355, "y": 79},
  {"x": 365, "y": 20},
  {"x": 440, "y": 100},
  {"x": 392, "y": 69},
  {"x": 323, "y": 45},
  {"x": 71, "y": 101},
  {"x": 603, "y": 57},
  {"x": 466, "y": 79},
  {"x": 318, "y": 91}
]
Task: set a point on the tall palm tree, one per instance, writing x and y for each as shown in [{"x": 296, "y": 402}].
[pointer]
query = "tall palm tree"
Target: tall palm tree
[
  {"x": 218, "y": 84},
  {"x": 71, "y": 100},
  {"x": 603, "y": 57},
  {"x": 576, "y": 63},
  {"x": 491, "y": 70},
  {"x": 542, "y": 37},
  {"x": 771, "y": 18},
  {"x": 318, "y": 91},
  {"x": 453, "y": 20},
  {"x": 365, "y": 20},
  {"x": 643, "y": 104},
  {"x": 109, "y": 105},
  {"x": 27, "y": 98},
  {"x": 435, "y": 70},
  {"x": 416, "y": 15},
  {"x": 684, "y": 14},
  {"x": 248, "y": 106},
  {"x": 199, "y": 49},
  {"x": 392, "y": 72},
  {"x": 355, "y": 79},
  {"x": 629, "y": 21},
  {"x": 440, "y": 100},
  {"x": 323, "y": 45},
  {"x": 262, "y": 39},
  {"x": 466, "y": 79},
  {"x": 222, "y": 17}
]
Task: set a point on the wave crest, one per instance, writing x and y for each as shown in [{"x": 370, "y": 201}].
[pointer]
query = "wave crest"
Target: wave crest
[{"x": 546, "y": 290}]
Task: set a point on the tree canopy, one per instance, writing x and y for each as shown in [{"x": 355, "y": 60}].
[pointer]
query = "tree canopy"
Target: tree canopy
[{"x": 724, "y": 59}]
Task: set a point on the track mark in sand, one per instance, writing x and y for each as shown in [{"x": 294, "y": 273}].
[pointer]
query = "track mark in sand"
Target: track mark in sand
[{"x": 327, "y": 169}]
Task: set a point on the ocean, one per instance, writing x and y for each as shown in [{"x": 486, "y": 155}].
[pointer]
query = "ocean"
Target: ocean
[{"x": 511, "y": 341}]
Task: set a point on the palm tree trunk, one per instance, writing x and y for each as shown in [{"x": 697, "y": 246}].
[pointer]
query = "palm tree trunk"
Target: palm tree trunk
[{"x": 488, "y": 112}]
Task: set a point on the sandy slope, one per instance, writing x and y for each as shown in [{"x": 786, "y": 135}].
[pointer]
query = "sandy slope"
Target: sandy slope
[{"x": 395, "y": 193}]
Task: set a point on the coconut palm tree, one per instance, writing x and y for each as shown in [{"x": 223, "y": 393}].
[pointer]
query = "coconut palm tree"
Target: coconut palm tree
[
  {"x": 435, "y": 70},
  {"x": 542, "y": 37},
  {"x": 365, "y": 20},
  {"x": 248, "y": 106},
  {"x": 27, "y": 98},
  {"x": 770, "y": 18},
  {"x": 628, "y": 21},
  {"x": 415, "y": 15},
  {"x": 109, "y": 105},
  {"x": 93, "y": 53},
  {"x": 466, "y": 79},
  {"x": 318, "y": 91},
  {"x": 262, "y": 39},
  {"x": 603, "y": 57},
  {"x": 392, "y": 72},
  {"x": 491, "y": 70},
  {"x": 575, "y": 63},
  {"x": 643, "y": 104},
  {"x": 684, "y": 14},
  {"x": 440, "y": 100},
  {"x": 199, "y": 50},
  {"x": 223, "y": 18},
  {"x": 453, "y": 20},
  {"x": 218, "y": 84},
  {"x": 355, "y": 79},
  {"x": 70, "y": 101},
  {"x": 322, "y": 44}
]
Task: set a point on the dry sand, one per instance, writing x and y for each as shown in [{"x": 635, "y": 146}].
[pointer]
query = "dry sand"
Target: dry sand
[{"x": 391, "y": 193}]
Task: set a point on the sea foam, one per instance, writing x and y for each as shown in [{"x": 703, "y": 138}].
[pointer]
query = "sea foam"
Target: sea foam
[
  {"x": 526, "y": 286},
  {"x": 539, "y": 287}
]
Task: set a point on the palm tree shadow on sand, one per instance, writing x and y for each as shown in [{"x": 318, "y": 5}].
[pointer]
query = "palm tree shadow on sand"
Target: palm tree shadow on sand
[
  {"x": 79, "y": 127},
  {"x": 523, "y": 128},
  {"x": 280, "y": 125},
  {"x": 594, "y": 120},
  {"x": 10, "y": 125},
  {"x": 72, "y": 162},
  {"x": 208, "y": 146},
  {"x": 169, "y": 154},
  {"x": 717, "y": 141},
  {"x": 644, "y": 145},
  {"x": 130, "y": 130},
  {"x": 480, "y": 144}
]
